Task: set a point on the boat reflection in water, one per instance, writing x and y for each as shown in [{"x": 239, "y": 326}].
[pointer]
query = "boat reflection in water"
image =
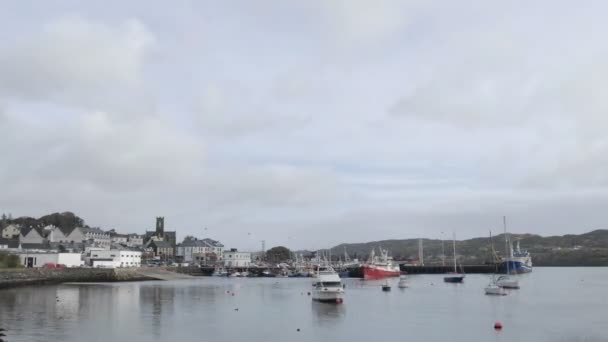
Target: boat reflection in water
[{"x": 327, "y": 314}]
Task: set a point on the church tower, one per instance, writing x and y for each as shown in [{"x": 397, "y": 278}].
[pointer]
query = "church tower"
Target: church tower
[{"x": 160, "y": 227}]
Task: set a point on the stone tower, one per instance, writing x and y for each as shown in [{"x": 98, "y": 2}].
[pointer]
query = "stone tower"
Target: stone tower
[{"x": 160, "y": 227}]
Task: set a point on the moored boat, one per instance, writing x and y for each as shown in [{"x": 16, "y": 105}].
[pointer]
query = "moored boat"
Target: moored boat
[
  {"x": 518, "y": 262},
  {"x": 380, "y": 267},
  {"x": 494, "y": 290},
  {"x": 327, "y": 286},
  {"x": 454, "y": 277},
  {"x": 386, "y": 287}
]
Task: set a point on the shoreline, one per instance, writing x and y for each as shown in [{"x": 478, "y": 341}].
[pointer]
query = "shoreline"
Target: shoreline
[{"x": 11, "y": 278}]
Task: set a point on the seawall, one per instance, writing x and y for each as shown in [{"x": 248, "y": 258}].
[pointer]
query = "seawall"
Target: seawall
[{"x": 36, "y": 276}]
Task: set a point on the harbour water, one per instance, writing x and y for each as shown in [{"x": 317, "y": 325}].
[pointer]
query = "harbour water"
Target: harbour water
[{"x": 553, "y": 304}]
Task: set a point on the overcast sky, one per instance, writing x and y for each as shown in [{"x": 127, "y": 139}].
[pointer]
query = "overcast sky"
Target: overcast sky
[{"x": 307, "y": 123}]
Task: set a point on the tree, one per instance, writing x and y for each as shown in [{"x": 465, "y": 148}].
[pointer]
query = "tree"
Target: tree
[
  {"x": 189, "y": 238},
  {"x": 278, "y": 254}
]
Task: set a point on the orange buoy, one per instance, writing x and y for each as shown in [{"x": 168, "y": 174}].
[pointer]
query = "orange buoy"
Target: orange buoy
[{"x": 497, "y": 325}]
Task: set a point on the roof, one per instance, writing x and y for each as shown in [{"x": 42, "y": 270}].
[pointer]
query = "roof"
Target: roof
[
  {"x": 93, "y": 231},
  {"x": 213, "y": 243},
  {"x": 153, "y": 233},
  {"x": 201, "y": 243},
  {"x": 161, "y": 244},
  {"x": 27, "y": 230},
  {"x": 67, "y": 230}
]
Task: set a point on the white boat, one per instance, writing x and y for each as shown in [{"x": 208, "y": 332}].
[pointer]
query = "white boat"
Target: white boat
[
  {"x": 403, "y": 284},
  {"x": 327, "y": 286},
  {"x": 506, "y": 281},
  {"x": 235, "y": 274},
  {"x": 494, "y": 290}
]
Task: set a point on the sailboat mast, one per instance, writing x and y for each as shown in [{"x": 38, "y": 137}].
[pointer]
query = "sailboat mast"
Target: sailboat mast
[
  {"x": 504, "y": 223},
  {"x": 454, "y": 245}
]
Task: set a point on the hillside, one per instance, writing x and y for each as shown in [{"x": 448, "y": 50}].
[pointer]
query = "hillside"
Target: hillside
[{"x": 588, "y": 249}]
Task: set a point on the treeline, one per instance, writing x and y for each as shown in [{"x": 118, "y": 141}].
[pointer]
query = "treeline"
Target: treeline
[{"x": 65, "y": 220}]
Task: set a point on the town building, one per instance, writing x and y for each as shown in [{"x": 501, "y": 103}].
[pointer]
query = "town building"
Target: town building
[
  {"x": 37, "y": 260},
  {"x": 31, "y": 235},
  {"x": 162, "y": 249},
  {"x": 234, "y": 258},
  {"x": 160, "y": 235},
  {"x": 115, "y": 258},
  {"x": 98, "y": 237},
  {"x": 11, "y": 231},
  {"x": 135, "y": 240},
  {"x": 122, "y": 239},
  {"x": 205, "y": 251},
  {"x": 66, "y": 235}
]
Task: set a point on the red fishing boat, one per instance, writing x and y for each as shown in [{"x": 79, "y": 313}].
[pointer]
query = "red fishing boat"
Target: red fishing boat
[{"x": 380, "y": 267}]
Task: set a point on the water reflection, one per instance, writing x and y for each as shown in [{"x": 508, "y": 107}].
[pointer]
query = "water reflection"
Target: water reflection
[{"x": 327, "y": 313}]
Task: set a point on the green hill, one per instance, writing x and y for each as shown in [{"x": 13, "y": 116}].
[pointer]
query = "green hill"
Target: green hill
[{"x": 588, "y": 249}]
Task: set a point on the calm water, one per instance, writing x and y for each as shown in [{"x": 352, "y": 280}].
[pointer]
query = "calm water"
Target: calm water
[{"x": 554, "y": 304}]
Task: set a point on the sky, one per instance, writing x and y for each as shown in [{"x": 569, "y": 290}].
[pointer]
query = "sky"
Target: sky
[{"x": 307, "y": 123}]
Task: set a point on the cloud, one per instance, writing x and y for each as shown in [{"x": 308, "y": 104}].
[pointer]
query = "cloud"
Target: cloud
[
  {"x": 360, "y": 21},
  {"x": 72, "y": 60},
  {"x": 231, "y": 110}
]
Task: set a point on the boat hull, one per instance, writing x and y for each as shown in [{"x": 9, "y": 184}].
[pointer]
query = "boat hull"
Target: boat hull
[
  {"x": 495, "y": 291},
  {"x": 371, "y": 272},
  {"x": 453, "y": 279},
  {"x": 336, "y": 296},
  {"x": 516, "y": 267}
]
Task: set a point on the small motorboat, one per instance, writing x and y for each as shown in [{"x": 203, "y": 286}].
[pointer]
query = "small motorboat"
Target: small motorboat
[
  {"x": 235, "y": 274},
  {"x": 403, "y": 284},
  {"x": 494, "y": 290},
  {"x": 386, "y": 287}
]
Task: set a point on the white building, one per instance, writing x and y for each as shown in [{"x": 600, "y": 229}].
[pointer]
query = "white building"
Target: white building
[
  {"x": 11, "y": 231},
  {"x": 205, "y": 250},
  {"x": 234, "y": 258},
  {"x": 36, "y": 260},
  {"x": 120, "y": 258}
]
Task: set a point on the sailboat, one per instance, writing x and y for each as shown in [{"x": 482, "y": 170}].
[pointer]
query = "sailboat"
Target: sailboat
[
  {"x": 493, "y": 289},
  {"x": 454, "y": 277},
  {"x": 506, "y": 281}
]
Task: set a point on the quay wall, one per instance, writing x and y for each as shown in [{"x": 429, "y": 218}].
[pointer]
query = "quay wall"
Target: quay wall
[{"x": 37, "y": 276}]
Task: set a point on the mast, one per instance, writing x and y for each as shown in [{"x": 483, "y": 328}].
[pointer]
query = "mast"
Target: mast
[
  {"x": 504, "y": 223},
  {"x": 442, "y": 251},
  {"x": 454, "y": 243}
]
